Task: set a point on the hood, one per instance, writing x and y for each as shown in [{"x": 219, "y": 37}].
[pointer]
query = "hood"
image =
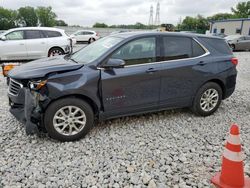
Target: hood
[{"x": 40, "y": 68}]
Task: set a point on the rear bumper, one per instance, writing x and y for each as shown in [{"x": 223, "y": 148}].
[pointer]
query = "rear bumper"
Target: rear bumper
[{"x": 230, "y": 85}]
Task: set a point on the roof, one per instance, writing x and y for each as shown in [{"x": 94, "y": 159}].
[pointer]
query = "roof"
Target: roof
[
  {"x": 231, "y": 20},
  {"x": 149, "y": 33},
  {"x": 36, "y": 28}
]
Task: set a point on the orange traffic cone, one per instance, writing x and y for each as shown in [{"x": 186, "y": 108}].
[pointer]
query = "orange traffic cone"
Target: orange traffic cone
[{"x": 232, "y": 172}]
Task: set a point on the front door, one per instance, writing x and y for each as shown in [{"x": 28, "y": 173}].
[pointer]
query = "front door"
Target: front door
[
  {"x": 14, "y": 47},
  {"x": 135, "y": 87}
]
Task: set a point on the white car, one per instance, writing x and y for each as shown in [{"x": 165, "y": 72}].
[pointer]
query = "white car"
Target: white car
[
  {"x": 30, "y": 43},
  {"x": 85, "y": 36}
]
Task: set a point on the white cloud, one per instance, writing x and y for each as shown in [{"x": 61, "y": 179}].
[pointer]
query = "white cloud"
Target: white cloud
[{"x": 124, "y": 11}]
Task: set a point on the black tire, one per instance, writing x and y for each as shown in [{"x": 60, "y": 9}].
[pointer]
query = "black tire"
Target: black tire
[
  {"x": 61, "y": 103},
  {"x": 233, "y": 47},
  {"x": 55, "y": 51},
  {"x": 91, "y": 40},
  {"x": 197, "y": 108}
]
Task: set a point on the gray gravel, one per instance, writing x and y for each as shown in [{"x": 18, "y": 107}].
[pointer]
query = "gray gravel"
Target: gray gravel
[{"x": 168, "y": 149}]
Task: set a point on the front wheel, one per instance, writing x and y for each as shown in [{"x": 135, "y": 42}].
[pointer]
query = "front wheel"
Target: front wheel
[
  {"x": 207, "y": 99},
  {"x": 68, "y": 119}
]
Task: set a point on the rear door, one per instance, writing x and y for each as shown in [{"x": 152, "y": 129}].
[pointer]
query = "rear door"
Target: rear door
[
  {"x": 181, "y": 74},
  {"x": 36, "y": 44},
  {"x": 135, "y": 87},
  {"x": 14, "y": 47}
]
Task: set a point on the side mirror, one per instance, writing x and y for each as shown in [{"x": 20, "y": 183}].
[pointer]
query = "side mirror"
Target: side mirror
[
  {"x": 3, "y": 38},
  {"x": 114, "y": 63}
]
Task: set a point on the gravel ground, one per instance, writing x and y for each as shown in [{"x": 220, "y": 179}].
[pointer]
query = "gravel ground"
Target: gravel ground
[{"x": 168, "y": 149}]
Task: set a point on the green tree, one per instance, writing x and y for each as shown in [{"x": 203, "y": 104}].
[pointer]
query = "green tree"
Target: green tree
[
  {"x": 27, "y": 16},
  {"x": 7, "y": 18},
  {"x": 220, "y": 16},
  {"x": 100, "y": 25},
  {"x": 198, "y": 24},
  {"x": 242, "y": 10},
  {"x": 61, "y": 23},
  {"x": 46, "y": 16}
]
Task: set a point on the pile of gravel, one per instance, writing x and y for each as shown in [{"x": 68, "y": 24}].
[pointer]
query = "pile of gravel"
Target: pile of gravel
[{"x": 173, "y": 148}]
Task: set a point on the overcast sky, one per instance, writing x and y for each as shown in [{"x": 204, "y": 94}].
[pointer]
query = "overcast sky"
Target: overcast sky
[{"x": 87, "y": 12}]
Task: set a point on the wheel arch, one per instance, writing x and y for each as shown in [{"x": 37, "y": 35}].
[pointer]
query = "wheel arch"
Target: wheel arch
[
  {"x": 221, "y": 84},
  {"x": 79, "y": 96},
  {"x": 55, "y": 47}
]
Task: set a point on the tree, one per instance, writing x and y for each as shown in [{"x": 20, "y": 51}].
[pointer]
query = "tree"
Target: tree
[
  {"x": 220, "y": 16},
  {"x": 46, "y": 16},
  {"x": 27, "y": 16},
  {"x": 100, "y": 25},
  {"x": 242, "y": 10},
  {"x": 198, "y": 24},
  {"x": 61, "y": 23},
  {"x": 7, "y": 18}
]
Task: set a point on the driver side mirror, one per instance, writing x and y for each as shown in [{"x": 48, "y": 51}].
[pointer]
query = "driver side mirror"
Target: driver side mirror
[
  {"x": 114, "y": 63},
  {"x": 3, "y": 38}
]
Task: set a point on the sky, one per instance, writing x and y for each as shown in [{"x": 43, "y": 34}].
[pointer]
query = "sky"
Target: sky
[{"x": 88, "y": 12}]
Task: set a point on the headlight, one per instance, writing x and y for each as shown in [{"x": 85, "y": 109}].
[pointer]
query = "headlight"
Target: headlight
[{"x": 36, "y": 85}]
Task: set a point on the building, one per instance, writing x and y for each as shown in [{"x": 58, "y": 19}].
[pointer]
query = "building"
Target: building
[{"x": 231, "y": 26}]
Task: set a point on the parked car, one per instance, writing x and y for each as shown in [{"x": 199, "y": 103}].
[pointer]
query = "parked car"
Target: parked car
[
  {"x": 86, "y": 36},
  {"x": 238, "y": 42},
  {"x": 125, "y": 74},
  {"x": 30, "y": 43}
]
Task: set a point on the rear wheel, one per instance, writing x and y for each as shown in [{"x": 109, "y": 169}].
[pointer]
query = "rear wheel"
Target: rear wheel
[
  {"x": 68, "y": 119},
  {"x": 232, "y": 46},
  {"x": 55, "y": 52},
  {"x": 91, "y": 40},
  {"x": 207, "y": 99}
]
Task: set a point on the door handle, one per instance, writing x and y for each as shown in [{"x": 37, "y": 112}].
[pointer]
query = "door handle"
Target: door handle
[
  {"x": 201, "y": 63},
  {"x": 151, "y": 70},
  {"x": 21, "y": 44},
  {"x": 42, "y": 42}
]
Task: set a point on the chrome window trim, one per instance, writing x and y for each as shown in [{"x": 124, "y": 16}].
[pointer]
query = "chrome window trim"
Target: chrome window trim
[
  {"x": 167, "y": 61},
  {"x": 21, "y": 86}
]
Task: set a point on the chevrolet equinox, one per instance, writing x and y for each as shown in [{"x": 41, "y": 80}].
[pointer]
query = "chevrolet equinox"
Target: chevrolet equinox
[{"x": 119, "y": 75}]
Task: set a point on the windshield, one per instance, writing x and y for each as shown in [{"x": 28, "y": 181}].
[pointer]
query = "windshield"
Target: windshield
[
  {"x": 95, "y": 50},
  {"x": 232, "y": 37}
]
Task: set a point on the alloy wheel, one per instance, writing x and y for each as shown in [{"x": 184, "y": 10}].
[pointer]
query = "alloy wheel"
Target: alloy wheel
[
  {"x": 209, "y": 100},
  {"x": 69, "y": 120}
]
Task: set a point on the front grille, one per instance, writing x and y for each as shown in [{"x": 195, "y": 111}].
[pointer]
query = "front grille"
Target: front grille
[{"x": 14, "y": 87}]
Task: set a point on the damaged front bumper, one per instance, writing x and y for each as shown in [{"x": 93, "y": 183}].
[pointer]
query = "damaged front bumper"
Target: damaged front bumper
[{"x": 30, "y": 112}]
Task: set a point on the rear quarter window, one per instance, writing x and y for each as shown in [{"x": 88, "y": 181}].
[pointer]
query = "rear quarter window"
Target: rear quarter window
[
  {"x": 52, "y": 34},
  {"x": 219, "y": 45}
]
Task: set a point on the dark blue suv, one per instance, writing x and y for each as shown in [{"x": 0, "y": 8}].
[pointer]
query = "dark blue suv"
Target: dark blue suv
[{"x": 120, "y": 75}]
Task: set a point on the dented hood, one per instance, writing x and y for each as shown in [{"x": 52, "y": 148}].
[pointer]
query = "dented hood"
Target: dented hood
[{"x": 42, "y": 67}]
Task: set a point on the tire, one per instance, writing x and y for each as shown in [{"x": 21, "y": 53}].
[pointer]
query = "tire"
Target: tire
[
  {"x": 233, "y": 47},
  {"x": 83, "y": 119},
  {"x": 91, "y": 40},
  {"x": 55, "y": 52},
  {"x": 201, "y": 106}
]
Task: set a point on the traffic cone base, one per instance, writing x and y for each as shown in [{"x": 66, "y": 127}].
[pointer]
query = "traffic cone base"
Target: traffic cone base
[{"x": 218, "y": 183}]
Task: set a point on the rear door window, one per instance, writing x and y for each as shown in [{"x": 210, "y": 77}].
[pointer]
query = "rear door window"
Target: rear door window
[
  {"x": 33, "y": 34},
  {"x": 176, "y": 48},
  {"x": 197, "y": 49}
]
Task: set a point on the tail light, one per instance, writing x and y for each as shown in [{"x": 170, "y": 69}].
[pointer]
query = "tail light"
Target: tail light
[
  {"x": 97, "y": 34},
  {"x": 234, "y": 61}
]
